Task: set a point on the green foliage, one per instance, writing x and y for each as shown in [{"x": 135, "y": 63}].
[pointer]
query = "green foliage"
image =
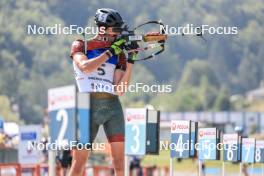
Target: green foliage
[
  {"x": 195, "y": 70},
  {"x": 198, "y": 90},
  {"x": 222, "y": 102},
  {"x": 5, "y": 110}
]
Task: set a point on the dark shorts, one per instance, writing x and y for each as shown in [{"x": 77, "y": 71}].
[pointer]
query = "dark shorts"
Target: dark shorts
[
  {"x": 107, "y": 112},
  {"x": 66, "y": 162},
  {"x": 65, "y": 159}
]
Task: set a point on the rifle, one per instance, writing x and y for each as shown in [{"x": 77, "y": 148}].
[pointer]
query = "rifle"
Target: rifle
[{"x": 153, "y": 40}]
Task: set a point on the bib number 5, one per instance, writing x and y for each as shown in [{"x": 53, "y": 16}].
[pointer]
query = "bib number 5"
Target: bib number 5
[{"x": 101, "y": 70}]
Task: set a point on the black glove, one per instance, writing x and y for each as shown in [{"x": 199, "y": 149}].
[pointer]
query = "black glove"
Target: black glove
[{"x": 132, "y": 55}]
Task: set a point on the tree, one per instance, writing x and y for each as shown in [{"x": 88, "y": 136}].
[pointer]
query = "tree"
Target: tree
[
  {"x": 195, "y": 70},
  {"x": 6, "y": 111},
  {"x": 207, "y": 93},
  {"x": 222, "y": 102},
  {"x": 30, "y": 64}
]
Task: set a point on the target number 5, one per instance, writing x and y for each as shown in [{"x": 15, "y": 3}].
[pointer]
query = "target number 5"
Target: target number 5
[
  {"x": 207, "y": 146},
  {"x": 62, "y": 116},
  {"x": 135, "y": 147}
]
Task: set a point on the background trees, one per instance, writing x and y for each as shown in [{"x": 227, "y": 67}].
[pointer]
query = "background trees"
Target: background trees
[{"x": 203, "y": 75}]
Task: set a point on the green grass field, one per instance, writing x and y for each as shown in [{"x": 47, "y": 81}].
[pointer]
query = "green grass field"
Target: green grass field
[{"x": 188, "y": 165}]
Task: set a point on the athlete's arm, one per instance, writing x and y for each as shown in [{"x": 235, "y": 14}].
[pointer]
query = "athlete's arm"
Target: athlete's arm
[
  {"x": 124, "y": 79},
  {"x": 122, "y": 74},
  {"x": 88, "y": 66},
  {"x": 81, "y": 60},
  {"x": 124, "y": 82},
  {"x": 118, "y": 76}
]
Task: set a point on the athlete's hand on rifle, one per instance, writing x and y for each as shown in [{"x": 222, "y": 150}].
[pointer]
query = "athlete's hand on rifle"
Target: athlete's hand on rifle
[
  {"x": 117, "y": 47},
  {"x": 132, "y": 55}
]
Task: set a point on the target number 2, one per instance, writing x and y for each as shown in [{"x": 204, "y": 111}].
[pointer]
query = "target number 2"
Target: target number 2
[{"x": 62, "y": 116}]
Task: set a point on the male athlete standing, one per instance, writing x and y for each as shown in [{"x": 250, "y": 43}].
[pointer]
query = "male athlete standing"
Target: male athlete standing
[{"x": 96, "y": 72}]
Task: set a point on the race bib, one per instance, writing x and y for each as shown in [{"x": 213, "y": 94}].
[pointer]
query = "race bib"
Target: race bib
[{"x": 100, "y": 80}]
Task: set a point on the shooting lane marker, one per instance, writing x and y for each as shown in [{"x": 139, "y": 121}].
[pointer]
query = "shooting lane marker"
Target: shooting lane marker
[
  {"x": 153, "y": 131},
  {"x": 180, "y": 137},
  {"x": 262, "y": 169},
  {"x": 194, "y": 131},
  {"x": 135, "y": 129},
  {"x": 252, "y": 168},
  {"x": 248, "y": 150},
  {"x": 141, "y": 133},
  {"x": 206, "y": 138},
  {"x": 62, "y": 112},
  {"x": 232, "y": 149},
  {"x": 223, "y": 168},
  {"x": 69, "y": 112},
  {"x": 259, "y": 154},
  {"x": 240, "y": 168},
  {"x": 200, "y": 164}
]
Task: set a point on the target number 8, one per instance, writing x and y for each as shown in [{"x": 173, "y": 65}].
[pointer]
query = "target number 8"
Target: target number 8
[{"x": 258, "y": 155}]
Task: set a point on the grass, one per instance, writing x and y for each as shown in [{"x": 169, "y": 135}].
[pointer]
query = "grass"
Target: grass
[{"x": 188, "y": 165}]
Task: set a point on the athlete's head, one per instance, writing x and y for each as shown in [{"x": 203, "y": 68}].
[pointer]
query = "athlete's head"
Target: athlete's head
[{"x": 109, "y": 19}]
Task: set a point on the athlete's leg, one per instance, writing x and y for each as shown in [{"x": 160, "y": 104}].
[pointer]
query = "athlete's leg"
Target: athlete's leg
[
  {"x": 117, "y": 150},
  {"x": 114, "y": 129},
  {"x": 79, "y": 158}
]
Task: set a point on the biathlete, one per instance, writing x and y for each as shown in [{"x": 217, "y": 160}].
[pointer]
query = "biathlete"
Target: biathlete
[{"x": 98, "y": 70}]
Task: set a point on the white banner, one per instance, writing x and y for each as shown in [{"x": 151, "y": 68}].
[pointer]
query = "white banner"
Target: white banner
[
  {"x": 230, "y": 138},
  {"x": 248, "y": 142},
  {"x": 28, "y": 136},
  {"x": 180, "y": 126},
  {"x": 207, "y": 133},
  {"x": 62, "y": 97},
  {"x": 136, "y": 116}
]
